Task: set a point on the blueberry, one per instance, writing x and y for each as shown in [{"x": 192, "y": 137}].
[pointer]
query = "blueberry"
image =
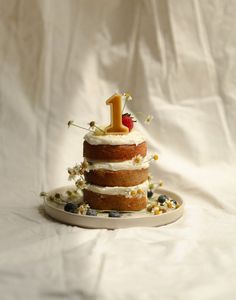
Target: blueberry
[
  {"x": 174, "y": 201},
  {"x": 70, "y": 207},
  {"x": 149, "y": 194},
  {"x": 114, "y": 214},
  {"x": 162, "y": 198},
  {"x": 91, "y": 212}
]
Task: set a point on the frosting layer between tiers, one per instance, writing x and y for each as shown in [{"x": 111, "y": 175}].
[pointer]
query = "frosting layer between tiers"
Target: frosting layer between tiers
[
  {"x": 134, "y": 137},
  {"x": 117, "y": 166},
  {"x": 117, "y": 190}
]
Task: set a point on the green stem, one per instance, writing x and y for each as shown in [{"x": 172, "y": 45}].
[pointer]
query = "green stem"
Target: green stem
[
  {"x": 148, "y": 160},
  {"x": 100, "y": 129},
  {"x": 124, "y": 105},
  {"x": 80, "y": 127}
]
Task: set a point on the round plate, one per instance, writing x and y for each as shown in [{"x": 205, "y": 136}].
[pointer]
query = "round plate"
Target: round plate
[{"x": 128, "y": 219}]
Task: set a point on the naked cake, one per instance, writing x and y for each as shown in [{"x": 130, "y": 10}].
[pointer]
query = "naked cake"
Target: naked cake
[
  {"x": 113, "y": 178},
  {"x": 117, "y": 174}
]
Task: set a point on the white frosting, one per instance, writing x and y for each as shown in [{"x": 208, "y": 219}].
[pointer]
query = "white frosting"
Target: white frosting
[
  {"x": 134, "y": 137},
  {"x": 116, "y": 190},
  {"x": 116, "y": 166}
]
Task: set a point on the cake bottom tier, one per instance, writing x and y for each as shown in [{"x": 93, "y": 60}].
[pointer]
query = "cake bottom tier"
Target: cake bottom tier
[{"x": 114, "y": 202}]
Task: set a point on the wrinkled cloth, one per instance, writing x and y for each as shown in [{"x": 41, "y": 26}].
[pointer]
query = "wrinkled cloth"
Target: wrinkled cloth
[{"x": 60, "y": 61}]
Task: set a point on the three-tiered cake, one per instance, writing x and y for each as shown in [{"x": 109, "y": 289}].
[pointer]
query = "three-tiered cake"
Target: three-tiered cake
[{"x": 117, "y": 175}]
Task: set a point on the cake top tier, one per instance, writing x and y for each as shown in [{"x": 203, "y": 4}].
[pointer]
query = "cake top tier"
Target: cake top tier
[{"x": 133, "y": 137}]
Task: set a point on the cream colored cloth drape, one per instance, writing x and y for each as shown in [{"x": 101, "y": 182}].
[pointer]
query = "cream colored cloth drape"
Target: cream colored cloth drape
[{"x": 60, "y": 60}]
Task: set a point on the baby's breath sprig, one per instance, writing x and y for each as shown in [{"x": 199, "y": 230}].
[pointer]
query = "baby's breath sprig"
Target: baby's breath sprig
[
  {"x": 92, "y": 125},
  {"x": 127, "y": 97},
  {"x": 71, "y": 123}
]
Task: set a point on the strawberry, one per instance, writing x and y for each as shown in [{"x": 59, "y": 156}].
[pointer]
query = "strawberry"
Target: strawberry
[{"x": 128, "y": 121}]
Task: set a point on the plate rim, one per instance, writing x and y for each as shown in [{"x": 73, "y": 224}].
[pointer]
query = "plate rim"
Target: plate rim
[{"x": 113, "y": 223}]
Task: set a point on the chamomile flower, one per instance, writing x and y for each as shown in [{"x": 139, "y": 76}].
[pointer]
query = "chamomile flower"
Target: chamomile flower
[
  {"x": 140, "y": 193},
  {"x": 80, "y": 184},
  {"x": 95, "y": 128},
  {"x": 152, "y": 157},
  {"x": 151, "y": 186},
  {"x": 131, "y": 194},
  {"x": 128, "y": 195},
  {"x": 155, "y": 156},
  {"x": 92, "y": 124},
  {"x": 84, "y": 165},
  {"x": 137, "y": 160},
  {"x": 148, "y": 119},
  {"x": 157, "y": 211},
  {"x": 70, "y": 123},
  {"x": 128, "y": 97},
  {"x": 72, "y": 173},
  {"x": 82, "y": 209},
  {"x": 43, "y": 194}
]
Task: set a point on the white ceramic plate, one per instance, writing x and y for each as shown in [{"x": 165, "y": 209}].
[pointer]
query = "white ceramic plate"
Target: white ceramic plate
[{"x": 129, "y": 219}]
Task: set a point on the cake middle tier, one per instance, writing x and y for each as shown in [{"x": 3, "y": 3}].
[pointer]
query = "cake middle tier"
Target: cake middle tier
[{"x": 125, "y": 173}]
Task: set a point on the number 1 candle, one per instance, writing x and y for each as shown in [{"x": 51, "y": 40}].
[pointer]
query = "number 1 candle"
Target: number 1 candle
[{"x": 116, "y": 126}]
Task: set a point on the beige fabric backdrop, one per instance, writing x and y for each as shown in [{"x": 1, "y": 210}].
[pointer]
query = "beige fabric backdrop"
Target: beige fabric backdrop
[{"x": 61, "y": 60}]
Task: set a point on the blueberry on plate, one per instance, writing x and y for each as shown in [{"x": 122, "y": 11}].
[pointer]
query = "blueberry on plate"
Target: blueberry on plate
[
  {"x": 149, "y": 194},
  {"x": 162, "y": 198},
  {"x": 91, "y": 212},
  {"x": 114, "y": 214},
  {"x": 70, "y": 207},
  {"x": 174, "y": 201}
]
